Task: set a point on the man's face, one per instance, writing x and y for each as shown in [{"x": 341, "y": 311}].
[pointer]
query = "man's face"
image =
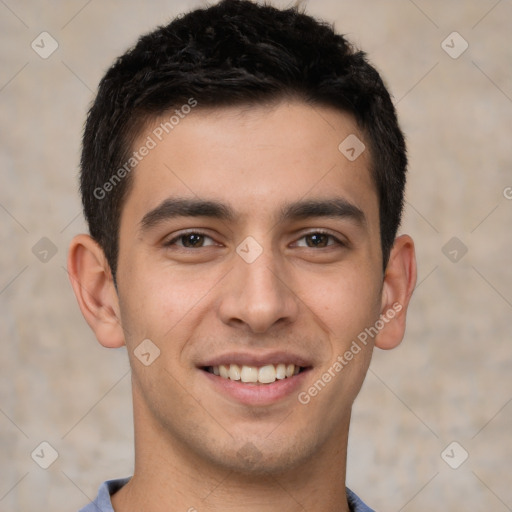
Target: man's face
[{"x": 249, "y": 240}]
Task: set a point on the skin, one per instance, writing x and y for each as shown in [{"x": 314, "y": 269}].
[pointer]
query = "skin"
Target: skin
[{"x": 195, "y": 445}]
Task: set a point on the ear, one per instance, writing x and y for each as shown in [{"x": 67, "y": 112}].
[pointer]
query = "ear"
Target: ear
[
  {"x": 399, "y": 283},
  {"x": 92, "y": 282}
]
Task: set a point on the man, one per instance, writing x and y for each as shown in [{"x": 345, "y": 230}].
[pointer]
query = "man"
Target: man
[{"x": 242, "y": 177}]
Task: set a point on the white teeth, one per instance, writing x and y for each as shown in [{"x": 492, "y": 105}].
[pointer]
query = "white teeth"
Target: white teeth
[
  {"x": 224, "y": 372},
  {"x": 249, "y": 374},
  {"x": 234, "y": 372},
  {"x": 252, "y": 374},
  {"x": 267, "y": 374},
  {"x": 281, "y": 371}
]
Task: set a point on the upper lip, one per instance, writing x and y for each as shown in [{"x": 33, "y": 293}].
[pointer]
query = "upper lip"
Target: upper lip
[{"x": 257, "y": 359}]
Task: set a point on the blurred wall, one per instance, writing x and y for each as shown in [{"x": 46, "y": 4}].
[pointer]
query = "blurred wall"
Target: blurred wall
[{"x": 449, "y": 382}]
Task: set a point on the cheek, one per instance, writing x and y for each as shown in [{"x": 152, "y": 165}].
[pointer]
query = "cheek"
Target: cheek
[
  {"x": 159, "y": 302},
  {"x": 347, "y": 307},
  {"x": 347, "y": 301}
]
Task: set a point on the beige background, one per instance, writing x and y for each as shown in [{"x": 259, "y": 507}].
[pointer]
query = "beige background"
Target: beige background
[{"x": 451, "y": 379}]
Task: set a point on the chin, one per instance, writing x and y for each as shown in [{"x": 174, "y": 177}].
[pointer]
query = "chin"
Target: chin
[{"x": 262, "y": 457}]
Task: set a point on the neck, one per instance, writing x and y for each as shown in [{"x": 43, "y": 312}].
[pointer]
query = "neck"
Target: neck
[{"x": 170, "y": 476}]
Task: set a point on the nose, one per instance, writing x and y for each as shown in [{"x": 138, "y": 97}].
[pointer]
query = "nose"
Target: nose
[{"x": 258, "y": 296}]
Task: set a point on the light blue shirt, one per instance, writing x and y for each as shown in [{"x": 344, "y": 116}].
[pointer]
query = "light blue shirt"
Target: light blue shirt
[{"x": 102, "y": 502}]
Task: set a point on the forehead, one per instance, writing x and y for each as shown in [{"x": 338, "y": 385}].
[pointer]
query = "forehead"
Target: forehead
[{"x": 253, "y": 158}]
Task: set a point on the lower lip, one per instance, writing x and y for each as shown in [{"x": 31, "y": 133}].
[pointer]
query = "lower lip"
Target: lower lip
[{"x": 257, "y": 394}]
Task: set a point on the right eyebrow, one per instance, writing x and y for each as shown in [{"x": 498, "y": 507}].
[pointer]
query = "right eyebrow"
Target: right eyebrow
[{"x": 183, "y": 207}]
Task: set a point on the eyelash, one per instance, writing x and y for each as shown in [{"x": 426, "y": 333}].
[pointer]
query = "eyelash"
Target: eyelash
[
  {"x": 183, "y": 234},
  {"x": 196, "y": 232},
  {"x": 323, "y": 232}
]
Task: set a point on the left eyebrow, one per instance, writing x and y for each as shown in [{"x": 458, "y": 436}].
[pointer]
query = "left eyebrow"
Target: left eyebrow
[{"x": 338, "y": 208}]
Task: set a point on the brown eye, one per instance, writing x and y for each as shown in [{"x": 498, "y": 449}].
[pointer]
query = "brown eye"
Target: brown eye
[
  {"x": 317, "y": 240},
  {"x": 192, "y": 240}
]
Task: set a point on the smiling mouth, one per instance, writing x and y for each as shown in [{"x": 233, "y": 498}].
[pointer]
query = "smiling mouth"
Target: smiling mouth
[{"x": 266, "y": 374}]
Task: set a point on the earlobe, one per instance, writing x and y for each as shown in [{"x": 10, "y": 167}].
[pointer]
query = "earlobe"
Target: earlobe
[
  {"x": 399, "y": 283},
  {"x": 94, "y": 289}
]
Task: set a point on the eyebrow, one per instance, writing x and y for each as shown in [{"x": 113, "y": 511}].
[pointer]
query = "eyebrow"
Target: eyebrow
[
  {"x": 178, "y": 207},
  {"x": 337, "y": 208},
  {"x": 184, "y": 207}
]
